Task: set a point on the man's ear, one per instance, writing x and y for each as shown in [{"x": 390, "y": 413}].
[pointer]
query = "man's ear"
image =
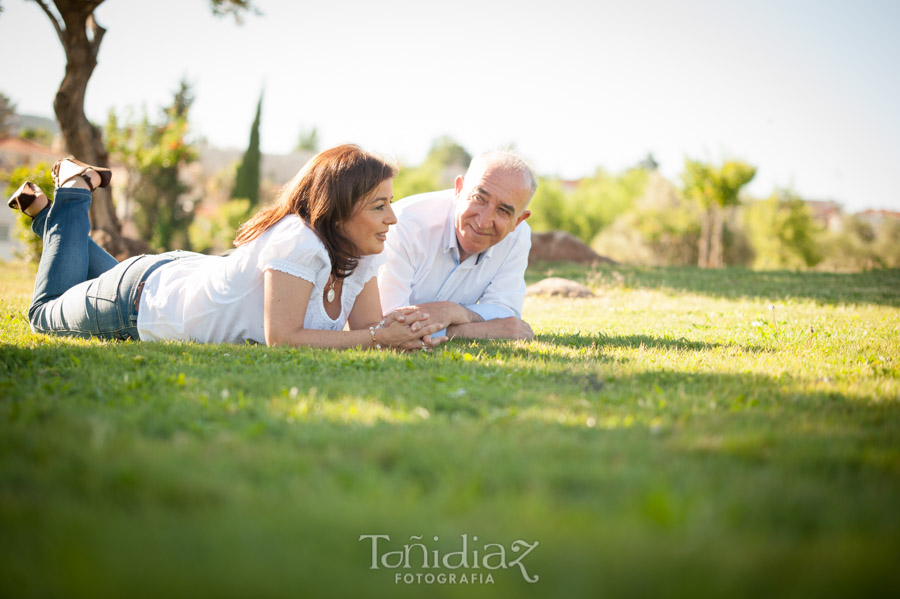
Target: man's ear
[
  {"x": 459, "y": 184},
  {"x": 523, "y": 216}
]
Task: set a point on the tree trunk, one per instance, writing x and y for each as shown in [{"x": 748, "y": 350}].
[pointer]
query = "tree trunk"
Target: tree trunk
[
  {"x": 82, "y": 139},
  {"x": 703, "y": 253},
  {"x": 716, "y": 259}
]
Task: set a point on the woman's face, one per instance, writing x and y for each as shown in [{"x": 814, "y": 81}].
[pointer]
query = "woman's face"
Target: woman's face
[{"x": 368, "y": 226}]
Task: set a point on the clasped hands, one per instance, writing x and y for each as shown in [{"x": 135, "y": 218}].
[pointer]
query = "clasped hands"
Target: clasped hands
[{"x": 411, "y": 329}]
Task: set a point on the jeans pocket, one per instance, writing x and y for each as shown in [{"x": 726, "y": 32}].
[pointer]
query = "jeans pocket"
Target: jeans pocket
[
  {"x": 111, "y": 296},
  {"x": 103, "y": 299}
]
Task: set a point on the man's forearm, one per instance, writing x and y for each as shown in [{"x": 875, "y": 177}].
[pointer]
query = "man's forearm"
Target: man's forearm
[
  {"x": 450, "y": 312},
  {"x": 498, "y": 328}
]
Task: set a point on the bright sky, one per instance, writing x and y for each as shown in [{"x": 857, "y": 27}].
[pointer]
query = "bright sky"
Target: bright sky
[{"x": 806, "y": 91}]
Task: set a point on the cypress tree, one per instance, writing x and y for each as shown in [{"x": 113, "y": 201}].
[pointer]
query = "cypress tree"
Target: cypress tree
[{"x": 246, "y": 182}]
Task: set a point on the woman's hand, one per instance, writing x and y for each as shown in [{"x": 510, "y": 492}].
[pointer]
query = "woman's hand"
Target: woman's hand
[
  {"x": 417, "y": 321},
  {"x": 399, "y": 333}
]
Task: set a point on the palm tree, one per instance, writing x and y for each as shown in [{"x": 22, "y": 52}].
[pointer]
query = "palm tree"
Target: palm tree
[{"x": 715, "y": 190}]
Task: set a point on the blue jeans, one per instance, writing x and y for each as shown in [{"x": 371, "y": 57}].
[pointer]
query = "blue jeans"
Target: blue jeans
[{"x": 80, "y": 290}]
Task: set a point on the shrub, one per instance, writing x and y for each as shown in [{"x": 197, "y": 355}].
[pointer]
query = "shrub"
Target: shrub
[
  {"x": 39, "y": 174},
  {"x": 549, "y": 207},
  {"x": 661, "y": 230},
  {"x": 782, "y": 232},
  {"x": 858, "y": 245},
  {"x": 215, "y": 233}
]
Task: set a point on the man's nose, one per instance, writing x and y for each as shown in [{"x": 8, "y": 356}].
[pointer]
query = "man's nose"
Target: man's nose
[{"x": 484, "y": 217}]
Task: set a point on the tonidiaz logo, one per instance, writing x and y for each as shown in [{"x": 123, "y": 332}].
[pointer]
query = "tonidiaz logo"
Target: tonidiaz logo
[{"x": 473, "y": 559}]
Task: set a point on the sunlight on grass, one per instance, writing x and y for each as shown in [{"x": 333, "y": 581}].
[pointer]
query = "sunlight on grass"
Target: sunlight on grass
[
  {"x": 351, "y": 410},
  {"x": 586, "y": 418},
  {"x": 739, "y": 431}
]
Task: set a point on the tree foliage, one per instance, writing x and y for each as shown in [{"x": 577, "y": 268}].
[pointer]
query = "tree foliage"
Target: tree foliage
[
  {"x": 445, "y": 160},
  {"x": 648, "y": 163},
  {"x": 860, "y": 244},
  {"x": 593, "y": 205},
  {"x": 549, "y": 206},
  {"x": 599, "y": 200},
  {"x": 414, "y": 180},
  {"x": 445, "y": 152},
  {"x": 660, "y": 230},
  {"x": 37, "y": 134},
  {"x": 213, "y": 233},
  {"x": 155, "y": 152},
  {"x": 308, "y": 140},
  {"x": 233, "y": 8},
  {"x": 246, "y": 183},
  {"x": 886, "y": 244}
]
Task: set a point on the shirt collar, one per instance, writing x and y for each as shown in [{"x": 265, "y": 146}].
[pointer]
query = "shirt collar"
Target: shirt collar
[{"x": 450, "y": 243}]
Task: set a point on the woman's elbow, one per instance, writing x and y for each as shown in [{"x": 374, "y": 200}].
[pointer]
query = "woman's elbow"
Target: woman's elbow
[{"x": 276, "y": 336}]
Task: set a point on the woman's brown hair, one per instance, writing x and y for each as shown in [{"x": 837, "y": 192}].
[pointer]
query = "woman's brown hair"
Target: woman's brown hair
[{"x": 325, "y": 194}]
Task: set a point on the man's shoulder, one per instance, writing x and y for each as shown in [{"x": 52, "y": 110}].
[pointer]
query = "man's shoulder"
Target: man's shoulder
[
  {"x": 523, "y": 231},
  {"x": 424, "y": 215}
]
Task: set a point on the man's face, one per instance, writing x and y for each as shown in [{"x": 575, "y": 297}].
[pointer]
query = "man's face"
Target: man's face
[{"x": 490, "y": 203}]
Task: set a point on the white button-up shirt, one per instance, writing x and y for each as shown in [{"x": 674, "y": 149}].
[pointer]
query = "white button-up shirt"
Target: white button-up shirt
[{"x": 420, "y": 262}]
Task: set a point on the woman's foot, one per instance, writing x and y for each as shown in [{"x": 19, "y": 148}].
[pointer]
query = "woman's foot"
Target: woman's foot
[
  {"x": 29, "y": 199},
  {"x": 69, "y": 172}
]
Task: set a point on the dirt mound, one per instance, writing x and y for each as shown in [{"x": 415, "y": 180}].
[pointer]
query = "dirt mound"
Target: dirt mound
[
  {"x": 560, "y": 287},
  {"x": 559, "y": 246}
]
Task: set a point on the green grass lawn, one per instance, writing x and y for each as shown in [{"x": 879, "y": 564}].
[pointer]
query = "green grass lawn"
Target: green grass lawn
[{"x": 685, "y": 433}]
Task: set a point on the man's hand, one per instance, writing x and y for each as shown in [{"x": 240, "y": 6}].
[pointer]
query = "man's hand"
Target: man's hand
[
  {"x": 409, "y": 315},
  {"x": 498, "y": 328},
  {"x": 433, "y": 312},
  {"x": 461, "y": 322},
  {"x": 417, "y": 321}
]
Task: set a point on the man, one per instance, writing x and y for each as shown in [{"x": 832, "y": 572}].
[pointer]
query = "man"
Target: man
[{"x": 460, "y": 254}]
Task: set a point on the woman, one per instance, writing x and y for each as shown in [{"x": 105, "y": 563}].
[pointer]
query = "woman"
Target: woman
[{"x": 301, "y": 270}]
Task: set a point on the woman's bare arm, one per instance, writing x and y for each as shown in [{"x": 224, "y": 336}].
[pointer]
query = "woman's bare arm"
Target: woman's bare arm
[{"x": 286, "y": 299}]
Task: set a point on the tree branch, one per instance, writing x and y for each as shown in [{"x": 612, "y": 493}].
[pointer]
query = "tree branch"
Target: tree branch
[
  {"x": 97, "y": 33},
  {"x": 53, "y": 20}
]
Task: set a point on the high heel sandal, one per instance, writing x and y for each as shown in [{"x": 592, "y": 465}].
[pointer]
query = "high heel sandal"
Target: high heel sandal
[
  {"x": 67, "y": 168},
  {"x": 25, "y": 197}
]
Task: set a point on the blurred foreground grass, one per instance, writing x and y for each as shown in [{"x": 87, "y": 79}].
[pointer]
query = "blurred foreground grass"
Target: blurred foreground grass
[{"x": 685, "y": 433}]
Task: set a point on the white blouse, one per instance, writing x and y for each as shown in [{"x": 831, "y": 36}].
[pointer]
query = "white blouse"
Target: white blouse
[{"x": 219, "y": 299}]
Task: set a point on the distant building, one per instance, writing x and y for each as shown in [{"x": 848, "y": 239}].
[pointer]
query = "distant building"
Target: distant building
[
  {"x": 876, "y": 217},
  {"x": 16, "y": 152},
  {"x": 8, "y": 242},
  {"x": 827, "y": 213},
  {"x": 275, "y": 169},
  {"x": 569, "y": 185},
  {"x": 210, "y": 181}
]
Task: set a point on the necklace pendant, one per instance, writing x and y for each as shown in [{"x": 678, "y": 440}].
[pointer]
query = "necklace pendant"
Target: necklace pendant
[{"x": 330, "y": 295}]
